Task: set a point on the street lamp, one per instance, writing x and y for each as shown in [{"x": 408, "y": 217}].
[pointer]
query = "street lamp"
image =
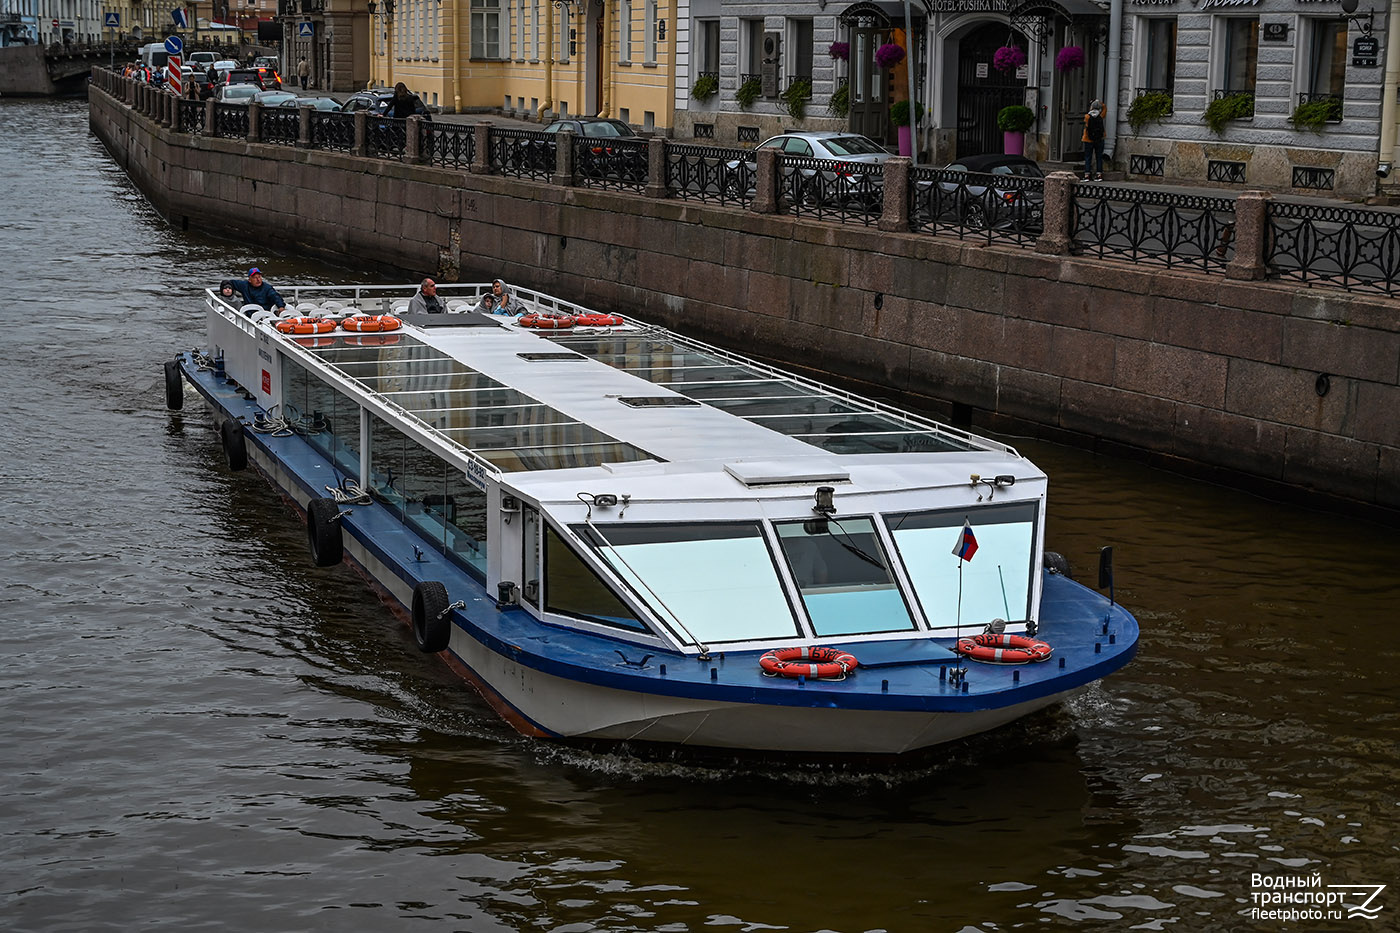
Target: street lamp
[{"x": 1349, "y": 8}]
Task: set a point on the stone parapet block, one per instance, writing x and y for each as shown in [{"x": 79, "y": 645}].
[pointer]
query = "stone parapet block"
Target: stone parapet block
[
  {"x": 895, "y": 213},
  {"x": 656, "y": 168},
  {"x": 1250, "y": 233},
  {"x": 765, "y": 196},
  {"x": 481, "y": 161},
  {"x": 564, "y": 159},
  {"x": 1059, "y": 196}
]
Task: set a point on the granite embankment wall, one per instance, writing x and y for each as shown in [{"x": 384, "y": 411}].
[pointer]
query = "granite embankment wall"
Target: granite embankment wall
[
  {"x": 1202, "y": 373},
  {"x": 23, "y": 72}
]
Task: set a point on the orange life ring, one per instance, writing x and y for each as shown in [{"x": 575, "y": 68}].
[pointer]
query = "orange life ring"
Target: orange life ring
[
  {"x": 302, "y": 326},
  {"x": 597, "y": 320},
  {"x": 547, "y": 321},
  {"x": 315, "y": 343},
  {"x": 371, "y": 323},
  {"x": 1003, "y": 649},
  {"x": 372, "y": 340},
  {"x": 816, "y": 662}
]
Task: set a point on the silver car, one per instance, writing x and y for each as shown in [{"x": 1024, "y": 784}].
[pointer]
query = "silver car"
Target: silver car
[{"x": 854, "y": 181}]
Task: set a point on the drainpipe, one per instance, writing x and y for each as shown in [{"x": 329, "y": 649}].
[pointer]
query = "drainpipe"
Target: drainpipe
[
  {"x": 547, "y": 104},
  {"x": 606, "y": 51},
  {"x": 1115, "y": 54},
  {"x": 457, "y": 55},
  {"x": 909, "y": 72},
  {"x": 1388, "y": 141}
]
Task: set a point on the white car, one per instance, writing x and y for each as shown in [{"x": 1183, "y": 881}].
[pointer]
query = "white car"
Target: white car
[
  {"x": 202, "y": 60},
  {"x": 237, "y": 93},
  {"x": 850, "y": 184}
]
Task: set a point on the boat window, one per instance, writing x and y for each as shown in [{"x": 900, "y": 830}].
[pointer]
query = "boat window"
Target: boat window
[
  {"x": 530, "y": 555},
  {"x": 424, "y": 491},
  {"x": 843, "y": 576},
  {"x": 328, "y": 420},
  {"x": 996, "y": 583},
  {"x": 573, "y": 589},
  {"x": 715, "y": 581}
]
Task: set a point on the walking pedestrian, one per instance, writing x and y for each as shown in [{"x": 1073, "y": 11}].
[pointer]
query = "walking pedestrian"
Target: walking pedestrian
[
  {"x": 1095, "y": 122},
  {"x": 303, "y": 71}
]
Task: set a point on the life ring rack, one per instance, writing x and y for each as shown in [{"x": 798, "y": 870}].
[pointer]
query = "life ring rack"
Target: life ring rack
[
  {"x": 542, "y": 321},
  {"x": 815, "y": 661},
  {"x": 305, "y": 326},
  {"x": 992, "y": 648},
  {"x": 371, "y": 323}
]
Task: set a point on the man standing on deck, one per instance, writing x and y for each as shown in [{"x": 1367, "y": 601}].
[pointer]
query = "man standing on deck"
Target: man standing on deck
[{"x": 254, "y": 291}]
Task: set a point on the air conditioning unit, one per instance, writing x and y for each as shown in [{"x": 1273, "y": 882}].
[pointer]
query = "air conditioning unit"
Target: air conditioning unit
[{"x": 771, "y": 61}]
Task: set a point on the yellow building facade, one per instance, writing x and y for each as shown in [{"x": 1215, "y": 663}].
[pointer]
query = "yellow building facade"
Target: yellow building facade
[{"x": 531, "y": 58}]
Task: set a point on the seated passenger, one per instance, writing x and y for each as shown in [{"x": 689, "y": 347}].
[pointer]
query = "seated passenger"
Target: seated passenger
[
  {"x": 255, "y": 291},
  {"x": 426, "y": 301},
  {"x": 499, "y": 300}
]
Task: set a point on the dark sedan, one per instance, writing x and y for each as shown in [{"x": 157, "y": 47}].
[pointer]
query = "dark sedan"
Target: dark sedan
[{"x": 998, "y": 191}]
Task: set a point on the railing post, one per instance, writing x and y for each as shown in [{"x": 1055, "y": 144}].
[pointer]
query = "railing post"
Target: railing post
[
  {"x": 895, "y": 213},
  {"x": 1059, "y": 197},
  {"x": 172, "y": 111},
  {"x": 254, "y": 115},
  {"x": 361, "y": 133},
  {"x": 564, "y": 158},
  {"x": 765, "y": 183},
  {"x": 656, "y": 168},
  {"x": 1250, "y": 235},
  {"x": 412, "y": 143},
  {"x": 304, "y": 127},
  {"x": 211, "y": 107},
  {"x": 481, "y": 156}
]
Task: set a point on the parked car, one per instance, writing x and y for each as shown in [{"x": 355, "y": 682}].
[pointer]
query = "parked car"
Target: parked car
[
  {"x": 376, "y": 101},
  {"x": 202, "y": 60},
  {"x": 328, "y": 104},
  {"x": 980, "y": 202},
  {"x": 839, "y": 186},
  {"x": 244, "y": 76},
  {"x": 601, "y": 160},
  {"x": 273, "y": 98},
  {"x": 235, "y": 93},
  {"x": 224, "y": 65}
]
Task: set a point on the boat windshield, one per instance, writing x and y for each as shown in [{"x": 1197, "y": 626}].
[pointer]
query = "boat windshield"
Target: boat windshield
[
  {"x": 843, "y": 576},
  {"x": 715, "y": 581},
  {"x": 994, "y": 583}
]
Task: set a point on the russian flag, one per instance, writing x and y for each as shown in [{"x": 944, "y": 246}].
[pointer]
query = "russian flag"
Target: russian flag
[
  {"x": 180, "y": 17},
  {"x": 967, "y": 543}
]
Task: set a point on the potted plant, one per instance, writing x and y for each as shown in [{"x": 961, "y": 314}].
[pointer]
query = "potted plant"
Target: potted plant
[
  {"x": 795, "y": 98},
  {"x": 1314, "y": 114},
  {"x": 1013, "y": 121},
  {"x": 889, "y": 55},
  {"x": 1221, "y": 111},
  {"x": 705, "y": 87},
  {"x": 1069, "y": 58},
  {"x": 748, "y": 92},
  {"x": 840, "y": 51},
  {"x": 899, "y": 117},
  {"x": 1008, "y": 58},
  {"x": 840, "y": 103},
  {"x": 1149, "y": 107}
]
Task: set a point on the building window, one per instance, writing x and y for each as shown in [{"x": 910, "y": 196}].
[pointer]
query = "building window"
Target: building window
[
  {"x": 1327, "y": 66},
  {"x": 1159, "y": 56},
  {"x": 752, "y": 50},
  {"x": 535, "y": 30},
  {"x": 799, "y": 49},
  {"x": 486, "y": 28},
  {"x": 707, "y": 32},
  {"x": 649, "y": 37},
  {"x": 1241, "y": 60},
  {"x": 564, "y": 38},
  {"x": 624, "y": 31}
]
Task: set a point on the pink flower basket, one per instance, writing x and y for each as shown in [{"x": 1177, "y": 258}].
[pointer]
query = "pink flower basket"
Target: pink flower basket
[
  {"x": 1009, "y": 58},
  {"x": 839, "y": 50},
  {"x": 1070, "y": 58},
  {"x": 889, "y": 55}
]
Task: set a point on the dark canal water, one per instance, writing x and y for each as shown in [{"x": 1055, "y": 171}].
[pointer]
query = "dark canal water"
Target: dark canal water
[{"x": 202, "y": 732}]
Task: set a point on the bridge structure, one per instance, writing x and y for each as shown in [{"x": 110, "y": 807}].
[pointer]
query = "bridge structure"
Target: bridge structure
[{"x": 58, "y": 70}]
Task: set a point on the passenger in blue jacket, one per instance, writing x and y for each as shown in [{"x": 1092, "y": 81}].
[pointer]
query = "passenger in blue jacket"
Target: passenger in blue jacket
[{"x": 254, "y": 291}]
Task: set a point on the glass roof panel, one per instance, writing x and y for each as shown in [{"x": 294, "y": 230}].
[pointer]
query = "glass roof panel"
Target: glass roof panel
[
  {"x": 556, "y": 458},
  {"x": 891, "y": 443},
  {"x": 770, "y": 388}
]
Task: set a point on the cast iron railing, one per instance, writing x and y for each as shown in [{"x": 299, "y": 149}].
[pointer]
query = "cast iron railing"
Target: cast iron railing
[
  {"x": 610, "y": 163},
  {"x": 709, "y": 173},
  {"x": 1172, "y": 230},
  {"x": 1348, "y": 247},
  {"x": 386, "y": 137},
  {"x": 190, "y": 116},
  {"x": 281, "y": 125},
  {"x": 851, "y": 192},
  {"x": 335, "y": 131},
  {"x": 231, "y": 121},
  {"x": 452, "y": 145},
  {"x": 522, "y": 153},
  {"x": 1005, "y": 208}
]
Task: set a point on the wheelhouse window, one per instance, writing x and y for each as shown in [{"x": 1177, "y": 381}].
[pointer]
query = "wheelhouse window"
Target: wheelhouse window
[
  {"x": 711, "y": 582},
  {"x": 572, "y": 588},
  {"x": 1159, "y": 56},
  {"x": 1241, "y": 58},
  {"x": 995, "y": 584},
  {"x": 843, "y": 576}
]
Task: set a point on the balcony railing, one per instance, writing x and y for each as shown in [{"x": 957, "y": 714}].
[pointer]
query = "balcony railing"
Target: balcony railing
[{"x": 1334, "y": 102}]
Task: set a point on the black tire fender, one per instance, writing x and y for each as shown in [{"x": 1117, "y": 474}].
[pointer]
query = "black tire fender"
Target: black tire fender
[
  {"x": 235, "y": 446},
  {"x": 432, "y": 628},
  {"x": 323, "y": 532},
  {"x": 1056, "y": 563},
  {"x": 174, "y": 386}
]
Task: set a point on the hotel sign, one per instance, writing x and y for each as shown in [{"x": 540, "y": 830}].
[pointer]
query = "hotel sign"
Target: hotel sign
[{"x": 969, "y": 6}]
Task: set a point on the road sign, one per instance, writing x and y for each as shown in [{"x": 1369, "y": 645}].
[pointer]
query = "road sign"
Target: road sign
[
  {"x": 112, "y": 20},
  {"x": 306, "y": 30},
  {"x": 172, "y": 72},
  {"x": 174, "y": 45}
]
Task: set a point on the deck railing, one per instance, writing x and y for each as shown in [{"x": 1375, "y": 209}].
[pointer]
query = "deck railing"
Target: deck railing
[{"x": 1334, "y": 245}]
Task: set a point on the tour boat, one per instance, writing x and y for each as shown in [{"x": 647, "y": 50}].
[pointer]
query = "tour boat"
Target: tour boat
[{"x": 620, "y": 534}]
